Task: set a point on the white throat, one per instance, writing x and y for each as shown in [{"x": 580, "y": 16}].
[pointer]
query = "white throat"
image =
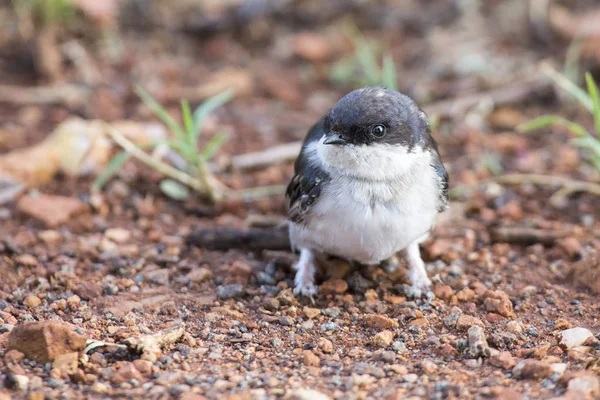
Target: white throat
[{"x": 375, "y": 163}]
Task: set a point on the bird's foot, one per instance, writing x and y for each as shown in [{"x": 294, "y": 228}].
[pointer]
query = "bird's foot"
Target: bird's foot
[
  {"x": 420, "y": 284},
  {"x": 308, "y": 290},
  {"x": 304, "y": 281}
]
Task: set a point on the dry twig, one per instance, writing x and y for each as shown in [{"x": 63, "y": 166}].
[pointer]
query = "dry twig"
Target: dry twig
[
  {"x": 217, "y": 188},
  {"x": 235, "y": 238},
  {"x": 512, "y": 93},
  {"x": 72, "y": 96},
  {"x": 150, "y": 345},
  {"x": 266, "y": 158},
  {"x": 526, "y": 235}
]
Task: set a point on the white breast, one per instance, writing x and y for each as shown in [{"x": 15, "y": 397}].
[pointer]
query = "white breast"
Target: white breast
[{"x": 388, "y": 200}]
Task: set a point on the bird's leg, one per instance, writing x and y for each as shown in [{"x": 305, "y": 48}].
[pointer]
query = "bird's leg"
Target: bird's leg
[
  {"x": 391, "y": 264},
  {"x": 416, "y": 267},
  {"x": 304, "y": 281}
]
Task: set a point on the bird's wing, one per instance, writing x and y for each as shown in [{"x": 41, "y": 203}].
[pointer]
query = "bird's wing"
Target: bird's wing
[
  {"x": 443, "y": 180},
  {"x": 305, "y": 187}
]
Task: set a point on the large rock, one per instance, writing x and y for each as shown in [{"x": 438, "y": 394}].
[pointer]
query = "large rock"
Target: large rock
[
  {"x": 50, "y": 209},
  {"x": 46, "y": 340}
]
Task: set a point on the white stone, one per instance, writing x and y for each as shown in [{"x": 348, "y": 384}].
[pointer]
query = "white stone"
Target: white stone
[{"x": 574, "y": 337}]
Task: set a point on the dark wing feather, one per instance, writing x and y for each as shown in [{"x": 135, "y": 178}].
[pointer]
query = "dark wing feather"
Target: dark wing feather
[
  {"x": 305, "y": 187},
  {"x": 442, "y": 174}
]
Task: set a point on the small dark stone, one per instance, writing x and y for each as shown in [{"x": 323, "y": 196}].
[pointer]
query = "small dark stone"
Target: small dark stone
[
  {"x": 358, "y": 283},
  {"x": 184, "y": 349},
  {"x": 269, "y": 290},
  {"x": 264, "y": 278},
  {"x": 55, "y": 383},
  {"x": 461, "y": 344},
  {"x": 230, "y": 291},
  {"x": 330, "y": 326},
  {"x": 533, "y": 331},
  {"x": 110, "y": 289},
  {"x": 286, "y": 320}
]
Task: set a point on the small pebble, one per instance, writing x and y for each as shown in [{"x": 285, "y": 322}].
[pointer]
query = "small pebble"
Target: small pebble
[
  {"x": 330, "y": 326},
  {"x": 230, "y": 291}
]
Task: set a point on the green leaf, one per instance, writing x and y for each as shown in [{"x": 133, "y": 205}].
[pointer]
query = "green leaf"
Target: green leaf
[
  {"x": 160, "y": 112},
  {"x": 207, "y": 107},
  {"x": 548, "y": 120},
  {"x": 213, "y": 145},
  {"x": 174, "y": 189},
  {"x": 389, "y": 73},
  {"x": 593, "y": 91},
  {"x": 113, "y": 166},
  {"x": 188, "y": 120}
]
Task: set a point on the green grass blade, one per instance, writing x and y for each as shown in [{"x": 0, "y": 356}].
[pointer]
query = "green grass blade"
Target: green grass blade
[
  {"x": 548, "y": 120},
  {"x": 367, "y": 59},
  {"x": 596, "y": 163},
  {"x": 188, "y": 120},
  {"x": 389, "y": 73},
  {"x": 207, "y": 107},
  {"x": 572, "y": 63},
  {"x": 537, "y": 123},
  {"x": 343, "y": 71},
  {"x": 578, "y": 93},
  {"x": 593, "y": 91},
  {"x": 213, "y": 145},
  {"x": 160, "y": 112},
  {"x": 588, "y": 143},
  {"x": 113, "y": 166}
]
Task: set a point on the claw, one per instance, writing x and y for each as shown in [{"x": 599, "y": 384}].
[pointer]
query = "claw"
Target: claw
[{"x": 306, "y": 290}]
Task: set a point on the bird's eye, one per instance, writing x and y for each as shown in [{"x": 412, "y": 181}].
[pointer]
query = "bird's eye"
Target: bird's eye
[{"x": 378, "y": 131}]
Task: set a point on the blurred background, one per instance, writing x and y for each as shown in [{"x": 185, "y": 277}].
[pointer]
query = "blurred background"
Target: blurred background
[{"x": 475, "y": 67}]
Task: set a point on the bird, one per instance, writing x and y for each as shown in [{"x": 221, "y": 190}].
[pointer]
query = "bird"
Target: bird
[{"x": 368, "y": 184}]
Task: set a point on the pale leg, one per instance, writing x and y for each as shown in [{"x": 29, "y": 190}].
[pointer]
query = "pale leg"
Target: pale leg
[
  {"x": 305, "y": 274},
  {"x": 416, "y": 267}
]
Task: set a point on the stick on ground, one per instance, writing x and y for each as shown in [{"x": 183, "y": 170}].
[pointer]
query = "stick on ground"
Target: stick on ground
[{"x": 236, "y": 238}]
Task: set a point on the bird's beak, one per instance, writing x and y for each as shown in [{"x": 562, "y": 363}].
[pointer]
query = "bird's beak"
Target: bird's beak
[{"x": 334, "y": 138}]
